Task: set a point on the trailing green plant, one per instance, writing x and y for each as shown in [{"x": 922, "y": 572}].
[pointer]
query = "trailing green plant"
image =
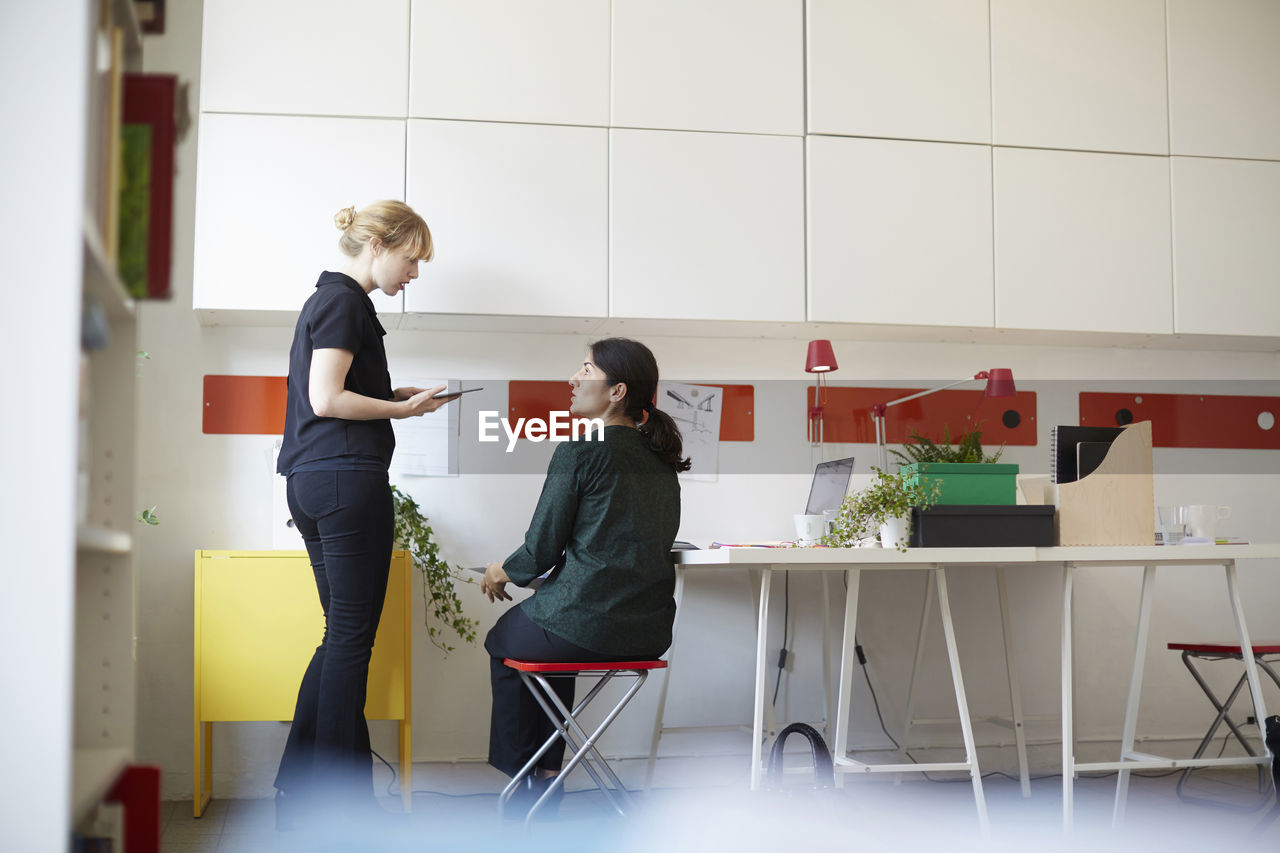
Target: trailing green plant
[
  {"x": 967, "y": 448},
  {"x": 439, "y": 597},
  {"x": 148, "y": 516},
  {"x": 888, "y": 496}
]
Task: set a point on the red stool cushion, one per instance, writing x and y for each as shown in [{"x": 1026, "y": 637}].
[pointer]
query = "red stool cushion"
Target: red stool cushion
[
  {"x": 1224, "y": 648},
  {"x": 592, "y": 666}
]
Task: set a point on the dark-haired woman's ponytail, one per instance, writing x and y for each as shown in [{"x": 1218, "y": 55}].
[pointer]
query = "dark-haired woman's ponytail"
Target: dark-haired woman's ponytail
[{"x": 664, "y": 438}]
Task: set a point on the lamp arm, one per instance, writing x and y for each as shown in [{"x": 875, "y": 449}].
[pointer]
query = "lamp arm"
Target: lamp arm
[{"x": 982, "y": 375}]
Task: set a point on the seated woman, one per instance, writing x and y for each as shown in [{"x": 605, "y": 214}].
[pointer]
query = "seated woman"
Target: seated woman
[{"x": 604, "y": 527}]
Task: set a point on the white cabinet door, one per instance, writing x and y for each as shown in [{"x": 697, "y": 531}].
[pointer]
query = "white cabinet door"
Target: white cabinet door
[
  {"x": 1082, "y": 74},
  {"x": 322, "y": 57},
  {"x": 1224, "y": 78},
  {"x": 1082, "y": 242},
  {"x": 913, "y": 69},
  {"x": 519, "y": 216},
  {"x": 709, "y": 65},
  {"x": 706, "y": 226},
  {"x": 267, "y": 189},
  {"x": 899, "y": 232},
  {"x": 1226, "y": 246},
  {"x": 511, "y": 60}
]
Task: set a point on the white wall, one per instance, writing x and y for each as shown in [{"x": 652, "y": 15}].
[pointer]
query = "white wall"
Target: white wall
[{"x": 215, "y": 492}]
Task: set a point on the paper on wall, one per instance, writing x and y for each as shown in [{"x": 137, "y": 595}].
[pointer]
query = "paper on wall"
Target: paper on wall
[
  {"x": 427, "y": 446},
  {"x": 696, "y": 410}
]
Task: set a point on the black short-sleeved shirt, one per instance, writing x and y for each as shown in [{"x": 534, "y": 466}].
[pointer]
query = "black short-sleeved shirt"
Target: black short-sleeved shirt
[{"x": 339, "y": 315}]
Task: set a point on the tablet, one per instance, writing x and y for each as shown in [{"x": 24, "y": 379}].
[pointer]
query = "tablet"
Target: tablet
[{"x": 449, "y": 395}]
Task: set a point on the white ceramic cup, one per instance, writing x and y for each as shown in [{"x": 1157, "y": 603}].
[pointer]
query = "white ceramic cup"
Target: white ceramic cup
[
  {"x": 1202, "y": 519},
  {"x": 810, "y": 528}
]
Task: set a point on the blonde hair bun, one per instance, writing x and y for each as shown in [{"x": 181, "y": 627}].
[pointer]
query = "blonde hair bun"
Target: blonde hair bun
[{"x": 343, "y": 218}]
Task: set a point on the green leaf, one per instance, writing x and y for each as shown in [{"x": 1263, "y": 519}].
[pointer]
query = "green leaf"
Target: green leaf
[{"x": 439, "y": 597}]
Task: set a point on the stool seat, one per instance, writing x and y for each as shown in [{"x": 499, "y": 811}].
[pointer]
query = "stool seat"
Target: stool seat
[
  {"x": 1224, "y": 648},
  {"x": 594, "y": 666},
  {"x": 568, "y": 725}
]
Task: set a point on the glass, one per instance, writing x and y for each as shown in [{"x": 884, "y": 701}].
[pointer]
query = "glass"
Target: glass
[{"x": 1173, "y": 523}]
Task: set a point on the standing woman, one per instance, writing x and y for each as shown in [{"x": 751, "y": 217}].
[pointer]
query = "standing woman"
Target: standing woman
[
  {"x": 603, "y": 527},
  {"x": 337, "y": 448}
]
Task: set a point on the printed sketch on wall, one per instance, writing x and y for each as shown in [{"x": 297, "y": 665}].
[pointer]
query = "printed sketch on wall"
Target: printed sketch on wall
[{"x": 696, "y": 410}]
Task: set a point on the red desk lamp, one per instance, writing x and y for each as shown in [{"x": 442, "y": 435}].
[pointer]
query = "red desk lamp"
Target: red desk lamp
[
  {"x": 821, "y": 360},
  {"x": 999, "y": 384}
]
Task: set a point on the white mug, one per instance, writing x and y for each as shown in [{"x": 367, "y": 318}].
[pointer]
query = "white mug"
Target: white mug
[
  {"x": 810, "y": 528},
  {"x": 1202, "y": 519}
]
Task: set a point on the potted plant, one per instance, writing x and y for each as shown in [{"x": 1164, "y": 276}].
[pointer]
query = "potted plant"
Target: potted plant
[
  {"x": 440, "y": 600},
  {"x": 884, "y": 507},
  {"x": 964, "y": 473}
]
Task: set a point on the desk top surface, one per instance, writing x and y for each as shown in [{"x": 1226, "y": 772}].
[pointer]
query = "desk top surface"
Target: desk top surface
[{"x": 830, "y": 558}]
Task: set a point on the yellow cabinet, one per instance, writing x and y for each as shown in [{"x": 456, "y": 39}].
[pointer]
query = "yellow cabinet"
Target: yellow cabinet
[{"x": 257, "y": 623}]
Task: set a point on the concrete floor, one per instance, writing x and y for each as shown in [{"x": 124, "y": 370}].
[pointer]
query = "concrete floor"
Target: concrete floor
[{"x": 702, "y": 804}]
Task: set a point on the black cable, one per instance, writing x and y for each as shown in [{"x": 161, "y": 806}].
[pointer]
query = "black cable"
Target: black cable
[
  {"x": 782, "y": 656},
  {"x": 392, "y": 783},
  {"x": 862, "y": 659}
]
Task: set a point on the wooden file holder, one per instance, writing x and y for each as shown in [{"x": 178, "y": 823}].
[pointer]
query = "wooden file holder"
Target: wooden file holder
[{"x": 1114, "y": 505}]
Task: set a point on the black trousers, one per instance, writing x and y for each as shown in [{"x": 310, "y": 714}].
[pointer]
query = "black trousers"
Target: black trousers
[
  {"x": 346, "y": 519},
  {"x": 517, "y": 724}
]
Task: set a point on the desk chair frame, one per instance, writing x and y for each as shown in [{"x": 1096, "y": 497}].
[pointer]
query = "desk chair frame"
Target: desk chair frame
[{"x": 535, "y": 676}]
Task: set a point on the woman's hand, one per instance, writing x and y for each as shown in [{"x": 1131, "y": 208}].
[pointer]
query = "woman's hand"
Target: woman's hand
[
  {"x": 416, "y": 401},
  {"x": 402, "y": 394},
  {"x": 494, "y": 583}
]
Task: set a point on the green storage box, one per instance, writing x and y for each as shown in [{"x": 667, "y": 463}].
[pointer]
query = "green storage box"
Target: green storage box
[{"x": 972, "y": 483}]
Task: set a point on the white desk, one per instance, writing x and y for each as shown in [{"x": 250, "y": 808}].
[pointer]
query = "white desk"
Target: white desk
[{"x": 852, "y": 561}]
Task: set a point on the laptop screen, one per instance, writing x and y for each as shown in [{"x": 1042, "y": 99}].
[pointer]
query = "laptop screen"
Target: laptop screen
[{"x": 830, "y": 483}]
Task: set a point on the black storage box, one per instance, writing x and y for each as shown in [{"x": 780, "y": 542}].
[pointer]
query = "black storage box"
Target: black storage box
[{"x": 965, "y": 526}]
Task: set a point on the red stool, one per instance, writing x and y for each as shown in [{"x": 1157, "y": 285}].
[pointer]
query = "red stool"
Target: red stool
[
  {"x": 534, "y": 674},
  {"x": 1224, "y": 651}
]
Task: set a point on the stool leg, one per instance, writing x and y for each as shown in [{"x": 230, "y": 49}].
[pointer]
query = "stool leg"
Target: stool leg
[
  {"x": 1223, "y": 716},
  {"x": 588, "y": 744},
  {"x": 559, "y": 719},
  {"x": 529, "y": 684}
]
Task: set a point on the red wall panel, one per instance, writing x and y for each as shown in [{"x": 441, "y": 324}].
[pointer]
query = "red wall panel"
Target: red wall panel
[
  {"x": 847, "y": 415},
  {"x": 1188, "y": 420}
]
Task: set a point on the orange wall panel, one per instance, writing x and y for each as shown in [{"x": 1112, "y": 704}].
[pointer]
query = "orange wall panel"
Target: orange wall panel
[{"x": 244, "y": 405}]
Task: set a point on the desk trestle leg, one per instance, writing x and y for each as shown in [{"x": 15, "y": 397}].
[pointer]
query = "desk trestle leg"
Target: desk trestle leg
[{"x": 962, "y": 703}]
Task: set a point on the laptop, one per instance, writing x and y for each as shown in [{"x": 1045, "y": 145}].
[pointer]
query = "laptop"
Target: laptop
[{"x": 830, "y": 485}]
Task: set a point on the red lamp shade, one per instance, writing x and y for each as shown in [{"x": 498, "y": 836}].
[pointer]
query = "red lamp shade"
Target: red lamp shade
[
  {"x": 1000, "y": 383},
  {"x": 821, "y": 358}
]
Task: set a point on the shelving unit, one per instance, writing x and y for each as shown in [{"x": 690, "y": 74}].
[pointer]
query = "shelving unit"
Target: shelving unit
[{"x": 104, "y": 685}]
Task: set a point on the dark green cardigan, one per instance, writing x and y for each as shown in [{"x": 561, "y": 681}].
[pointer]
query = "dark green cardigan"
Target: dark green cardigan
[{"x": 606, "y": 519}]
